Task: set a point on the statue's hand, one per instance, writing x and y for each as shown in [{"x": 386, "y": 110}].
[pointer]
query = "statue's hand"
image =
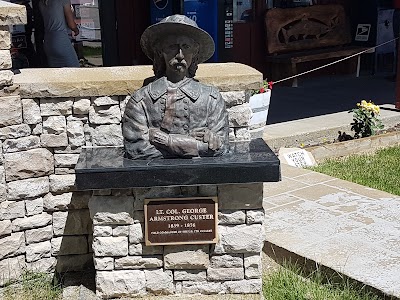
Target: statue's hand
[
  {"x": 207, "y": 136},
  {"x": 213, "y": 140},
  {"x": 156, "y": 136},
  {"x": 198, "y": 133}
]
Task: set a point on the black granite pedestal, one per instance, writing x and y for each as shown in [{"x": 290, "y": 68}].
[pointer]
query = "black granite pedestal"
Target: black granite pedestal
[{"x": 106, "y": 168}]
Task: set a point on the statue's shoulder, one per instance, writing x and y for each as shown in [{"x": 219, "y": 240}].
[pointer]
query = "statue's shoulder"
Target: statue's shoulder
[
  {"x": 214, "y": 92},
  {"x": 206, "y": 88},
  {"x": 153, "y": 89},
  {"x": 139, "y": 95}
]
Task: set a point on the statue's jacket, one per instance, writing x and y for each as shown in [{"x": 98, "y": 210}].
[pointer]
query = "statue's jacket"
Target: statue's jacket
[{"x": 176, "y": 109}]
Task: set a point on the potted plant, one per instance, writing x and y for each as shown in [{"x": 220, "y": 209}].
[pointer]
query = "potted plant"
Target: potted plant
[{"x": 259, "y": 103}]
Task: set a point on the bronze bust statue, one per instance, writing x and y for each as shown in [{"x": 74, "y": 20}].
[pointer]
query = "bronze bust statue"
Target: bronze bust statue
[{"x": 175, "y": 115}]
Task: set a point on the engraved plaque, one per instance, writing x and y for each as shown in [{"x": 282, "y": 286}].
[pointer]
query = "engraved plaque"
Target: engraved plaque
[{"x": 176, "y": 221}]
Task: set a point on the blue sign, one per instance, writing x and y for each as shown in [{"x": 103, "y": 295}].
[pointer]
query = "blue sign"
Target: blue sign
[
  {"x": 205, "y": 13},
  {"x": 159, "y": 9}
]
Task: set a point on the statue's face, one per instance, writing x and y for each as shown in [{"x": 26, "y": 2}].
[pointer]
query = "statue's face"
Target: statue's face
[{"x": 178, "y": 53}]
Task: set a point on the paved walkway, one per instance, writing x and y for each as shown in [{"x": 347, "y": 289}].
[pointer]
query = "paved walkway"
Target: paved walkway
[
  {"x": 350, "y": 228},
  {"x": 347, "y": 227}
]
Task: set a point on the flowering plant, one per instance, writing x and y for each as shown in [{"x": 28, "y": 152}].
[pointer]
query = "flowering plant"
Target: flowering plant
[
  {"x": 266, "y": 85},
  {"x": 365, "y": 119}
]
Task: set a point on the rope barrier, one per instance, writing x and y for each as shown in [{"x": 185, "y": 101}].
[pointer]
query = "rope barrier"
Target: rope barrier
[{"x": 271, "y": 83}]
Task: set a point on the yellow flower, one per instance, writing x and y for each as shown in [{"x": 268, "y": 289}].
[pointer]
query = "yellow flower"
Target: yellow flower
[
  {"x": 369, "y": 106},
  {"x": 376, "y": 109}
]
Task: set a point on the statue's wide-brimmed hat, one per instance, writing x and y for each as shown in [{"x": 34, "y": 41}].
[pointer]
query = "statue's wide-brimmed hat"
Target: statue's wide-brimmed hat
[{"x": 178, "y": 25}]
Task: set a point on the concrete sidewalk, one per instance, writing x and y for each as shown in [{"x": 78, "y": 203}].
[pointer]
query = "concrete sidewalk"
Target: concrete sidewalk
[
  {"x": 319, "y": 129},
  {"x": 347, "y": 227}
]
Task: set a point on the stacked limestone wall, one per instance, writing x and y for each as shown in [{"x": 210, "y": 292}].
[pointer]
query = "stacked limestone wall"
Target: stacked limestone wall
[
  {"x": 46, "y": 117},
  {"x": 45, "y": 224},
  {"x": 12, "y": 237},
  {"x": 125, "y": 267}
]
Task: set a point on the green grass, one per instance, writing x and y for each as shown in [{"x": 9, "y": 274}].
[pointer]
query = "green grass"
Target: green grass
[
  {"x": 33, "y": 286},
  {"x": 291, "y": 283},
  {"x": 380, "y": 170},
  {"x": 92, "y": 51}
]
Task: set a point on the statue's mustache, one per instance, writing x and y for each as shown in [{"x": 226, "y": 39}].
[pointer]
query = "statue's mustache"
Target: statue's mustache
[{"x": 176, "y": 62}]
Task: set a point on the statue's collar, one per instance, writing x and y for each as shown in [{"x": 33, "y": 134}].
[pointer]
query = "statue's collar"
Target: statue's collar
[{"x": 189, "y": 86}]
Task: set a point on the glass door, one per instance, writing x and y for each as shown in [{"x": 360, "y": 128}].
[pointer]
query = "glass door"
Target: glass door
[{"x": 89, "y": 41}]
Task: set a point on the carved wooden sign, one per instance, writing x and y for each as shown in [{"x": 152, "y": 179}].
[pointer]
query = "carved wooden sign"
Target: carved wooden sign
[
  {"x": 175, "y": 221},
  {"x": 301, "y": 28}
]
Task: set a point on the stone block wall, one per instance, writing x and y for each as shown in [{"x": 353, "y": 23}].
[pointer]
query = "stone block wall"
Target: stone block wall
[
  {"x": 44, "y": 222},
  {"x": 125, "y": 267},
  {"x": 46, "y": 117}
]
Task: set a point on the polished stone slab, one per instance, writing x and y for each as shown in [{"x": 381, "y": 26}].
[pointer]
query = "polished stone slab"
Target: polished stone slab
[{"x": 106, "y": 168}]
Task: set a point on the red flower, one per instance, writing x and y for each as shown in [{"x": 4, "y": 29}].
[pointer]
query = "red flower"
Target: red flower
[
  {"x": 262, "y": 90},
  {"x": 270, "y": 84}
]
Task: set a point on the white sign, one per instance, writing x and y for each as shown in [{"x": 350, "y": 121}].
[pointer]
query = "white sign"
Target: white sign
[
  {"x": 296, "y": 157},
  {"x": 87, "y": 31},
  {"x": 362, "y": 33}
]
